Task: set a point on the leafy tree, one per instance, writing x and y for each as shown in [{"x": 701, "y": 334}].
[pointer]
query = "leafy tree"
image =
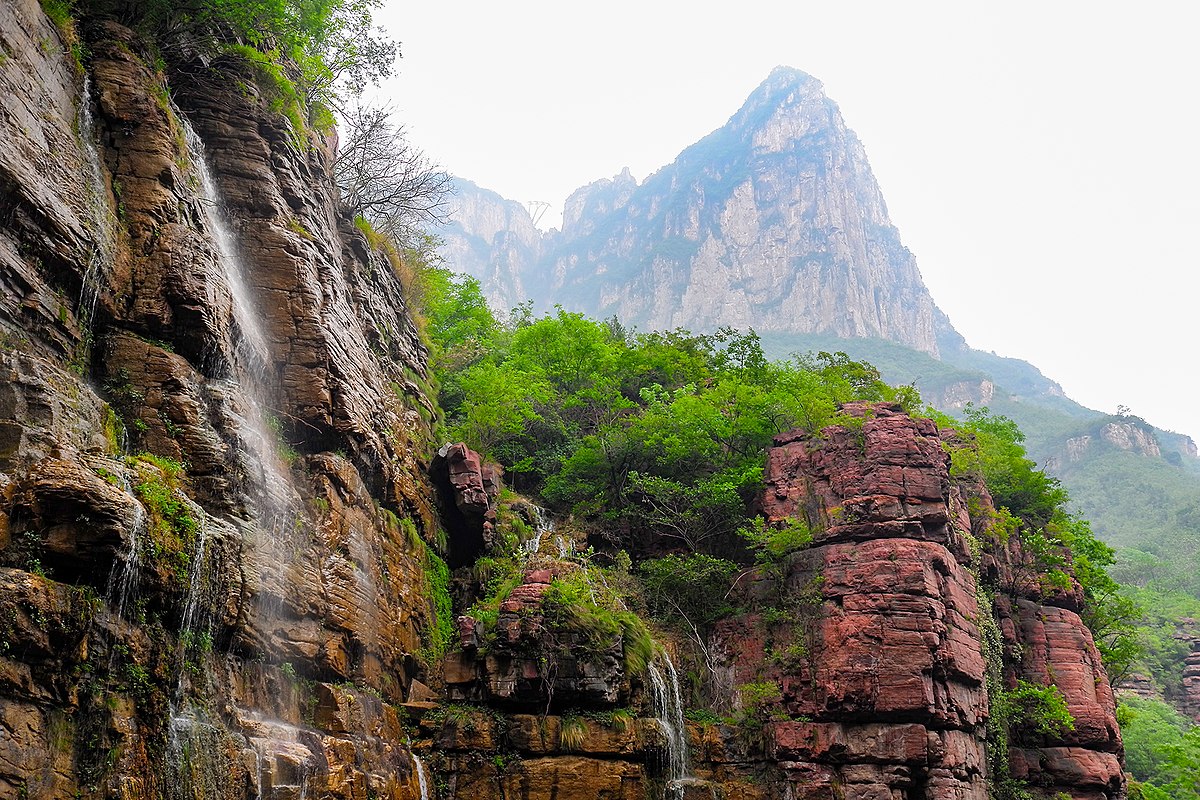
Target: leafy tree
[
  {"x": 1162, "y": 749},
  {"x": 327, "y": 45},
  {"x": 693, "y": 588}
]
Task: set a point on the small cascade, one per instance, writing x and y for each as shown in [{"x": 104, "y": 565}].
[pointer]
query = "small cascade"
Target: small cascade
[
  {"x": 195, "y": 620},
  {"x": 542, "y": 524},
  {"x": 104, "y": 243},
  {"x": 195, "y": 630},
  {"x": 252, "y": 348},
  {"x": 125, "y": 576},
  {"x": 422, "y": 777},
  {"x": 667, "y": 700},
  {"x": 565, "y": 548}
]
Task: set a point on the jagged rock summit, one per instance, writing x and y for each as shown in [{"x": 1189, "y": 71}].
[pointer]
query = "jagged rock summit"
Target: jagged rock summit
[{"x": 773, "y": 221}]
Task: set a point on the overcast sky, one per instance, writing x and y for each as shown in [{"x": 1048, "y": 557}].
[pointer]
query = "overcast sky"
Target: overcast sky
[{"x": 1041, "y": 160}]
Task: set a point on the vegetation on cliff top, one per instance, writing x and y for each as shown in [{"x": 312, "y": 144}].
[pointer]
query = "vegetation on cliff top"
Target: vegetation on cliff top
[
  {"x": 324, "y": 45},
  {"x": 654, "y": 443}
]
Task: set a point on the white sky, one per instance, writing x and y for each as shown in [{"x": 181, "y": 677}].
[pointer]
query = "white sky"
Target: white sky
[{"x": 1042, "y": 160}]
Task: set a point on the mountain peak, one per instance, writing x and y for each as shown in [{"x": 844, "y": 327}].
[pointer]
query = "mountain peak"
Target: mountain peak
[
  {"x": 773, "y": 221},
  {"x": 784, "y": 74}
]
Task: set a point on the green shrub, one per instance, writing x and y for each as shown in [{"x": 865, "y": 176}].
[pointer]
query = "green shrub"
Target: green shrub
[
  {"x": 588, "y": 608},
  {"x": 437, "y": 576},
  {"x": 772, "y": 542},
  {"x": 173, "y": 528},
  {"x": 1031, "y": 708},
  {"x": 757, "y": 699}
]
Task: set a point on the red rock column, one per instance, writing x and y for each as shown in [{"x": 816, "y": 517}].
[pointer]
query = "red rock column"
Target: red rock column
[{"x": 888, "y": 700}]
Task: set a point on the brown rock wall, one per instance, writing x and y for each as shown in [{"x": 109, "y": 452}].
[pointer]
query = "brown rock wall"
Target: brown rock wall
[{"x": 163, "y": 634}]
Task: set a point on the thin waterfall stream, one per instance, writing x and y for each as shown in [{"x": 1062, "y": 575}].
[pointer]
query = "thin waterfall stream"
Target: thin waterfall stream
[
  {"x": 276, "y": 503},
  {"x": 102, "y": 218},
  {"x": 422, "y": 777},
  {"x": 272, "y": 505},
  {"x": 667, "y": 700},
  {"x": 543, "y": 523}
]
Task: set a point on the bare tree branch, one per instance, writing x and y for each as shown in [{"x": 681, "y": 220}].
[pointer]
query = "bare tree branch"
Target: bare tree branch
[{"x": 385, "y": 179}]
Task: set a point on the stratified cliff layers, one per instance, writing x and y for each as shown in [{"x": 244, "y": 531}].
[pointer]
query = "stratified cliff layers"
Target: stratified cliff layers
[
  {"x": 220, "y": 506},
  {"x": 774, "y": 221}
]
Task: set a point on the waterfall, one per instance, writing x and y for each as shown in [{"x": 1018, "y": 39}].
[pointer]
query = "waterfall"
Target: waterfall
[
  {"x": 126, "y": 571},
  {"x": 104, "y": 245},
  {"x": 273, "y": 533},
  {"x": 542, "y": 524},
  {"x": 422, "y": 778},
  {"x": 252, "y": 348},
  {"x": 276, "y": 504},
  {"x": 667, "y": 700}
]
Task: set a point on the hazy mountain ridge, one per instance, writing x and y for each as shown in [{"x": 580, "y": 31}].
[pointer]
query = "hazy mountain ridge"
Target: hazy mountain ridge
[{"x": 773, "y": 221}]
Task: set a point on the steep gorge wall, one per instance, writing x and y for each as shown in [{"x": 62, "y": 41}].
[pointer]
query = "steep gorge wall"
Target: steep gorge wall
[{"x": 213, "y": 575}]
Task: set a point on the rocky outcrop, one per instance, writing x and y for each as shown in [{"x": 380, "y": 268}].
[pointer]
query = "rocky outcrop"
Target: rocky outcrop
[
  {"x": 1188, "y": 699},
  {"x": 468, "y": 487},
  {"x": 1118, "y": 433},
  {"x": 773, "y": 221},
  {"x": 534, "y": 663}
]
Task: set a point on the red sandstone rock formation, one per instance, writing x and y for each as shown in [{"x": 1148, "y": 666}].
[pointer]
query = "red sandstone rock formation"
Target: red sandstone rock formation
[
  {"x": 469, "y": 488},
  {"x": 882, "y": 671},
  {"x": 1190, "y": 695}
]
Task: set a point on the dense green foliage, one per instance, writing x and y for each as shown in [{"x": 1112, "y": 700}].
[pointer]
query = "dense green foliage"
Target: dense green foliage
[
  {"x": 318, "y": 47},
  {"x": 1033, "y": 709},
  {"x": 639, "y": 436},
  {"x": 1162, "y": 750},
  {"x": 691, "y": 588},
  {"x": 1150, "y": 509},
  {"x": 656, "y": 441},
  {"x": 1168, "y": 623}
]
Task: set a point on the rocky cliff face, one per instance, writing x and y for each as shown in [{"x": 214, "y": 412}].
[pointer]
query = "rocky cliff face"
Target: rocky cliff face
[
  {"x": 215, "y": 423},
  {"x": 873, "y": 664},
  {"x": 494, "y": 240},
  {"x": 774, "y": 221}
]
